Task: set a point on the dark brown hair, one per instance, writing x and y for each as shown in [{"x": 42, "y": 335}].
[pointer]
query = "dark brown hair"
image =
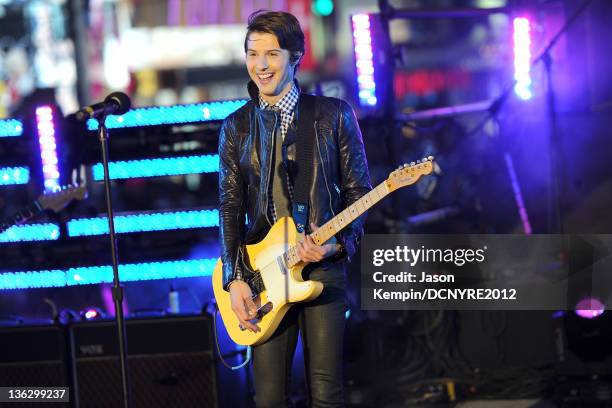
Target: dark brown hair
[{"x": 284, "y": 26}]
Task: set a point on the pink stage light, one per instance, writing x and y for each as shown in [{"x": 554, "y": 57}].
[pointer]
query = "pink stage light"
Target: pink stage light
[
  {"x": 48, "y": 147},
  {"x": 364, "y": 59},
  {"x": 590, "y": 308},
  {"x": 522, "y": 57}
]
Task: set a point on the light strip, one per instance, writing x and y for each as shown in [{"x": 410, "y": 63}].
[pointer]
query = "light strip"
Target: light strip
[
  {"x": 14, "y": 175},
  {"x": 169, "y": 115},
  {"x": 11, "y": 128},
  {"x": 35, "y": 279},
  {"x": 48, "y": 147},
  {"x": 522, "y": 57},
  {"x": 141, "y": 271},
  {"x": 145, "y": 222},
  {"x": 169, "y": 166},
  {"x": 30, "y": 232},
  {"x": 104, "y": 274},
  {"x": 364, "y": 59}
]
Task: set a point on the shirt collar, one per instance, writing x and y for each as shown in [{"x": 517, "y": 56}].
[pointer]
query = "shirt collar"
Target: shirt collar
[{"x": 286, "y": 104}]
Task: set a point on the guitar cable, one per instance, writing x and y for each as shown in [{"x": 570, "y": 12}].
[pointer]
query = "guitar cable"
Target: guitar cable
[{"x": 249, "y": 350}]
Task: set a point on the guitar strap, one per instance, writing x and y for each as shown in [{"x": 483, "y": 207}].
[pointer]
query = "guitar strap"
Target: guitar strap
[{"x": 308, "y": 112}]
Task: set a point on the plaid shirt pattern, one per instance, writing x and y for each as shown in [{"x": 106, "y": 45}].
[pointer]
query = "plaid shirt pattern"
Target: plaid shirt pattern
[{"x": 286, "y": 106}]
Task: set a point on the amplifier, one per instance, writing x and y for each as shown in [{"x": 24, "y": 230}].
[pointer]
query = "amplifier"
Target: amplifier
[
  {"x": 33, "y": 356},
  {"x": 170, "y": 361}
]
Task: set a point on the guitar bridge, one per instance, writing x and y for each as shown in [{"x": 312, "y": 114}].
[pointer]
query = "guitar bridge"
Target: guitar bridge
[
  {"x": 264, "y": 310},
  {"x": 261, "y": 312}
]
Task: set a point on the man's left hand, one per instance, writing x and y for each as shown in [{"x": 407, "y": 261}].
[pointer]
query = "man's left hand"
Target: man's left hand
[{"x": 308, "y": 251}]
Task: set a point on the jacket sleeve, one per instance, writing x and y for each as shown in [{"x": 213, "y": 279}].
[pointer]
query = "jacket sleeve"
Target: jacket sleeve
[
  {"x": 231, "y": 203},
  {"x": 355, "y": 177}
]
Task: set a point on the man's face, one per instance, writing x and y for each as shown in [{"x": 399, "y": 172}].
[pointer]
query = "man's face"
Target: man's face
[{"x": 268, "y": 65}]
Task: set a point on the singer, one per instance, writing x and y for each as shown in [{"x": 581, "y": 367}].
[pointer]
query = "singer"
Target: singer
[{"x": 257, "y": 174}]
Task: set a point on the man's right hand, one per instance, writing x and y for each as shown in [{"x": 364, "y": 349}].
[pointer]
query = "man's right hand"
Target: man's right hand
[{"x": 242, "y": 304}]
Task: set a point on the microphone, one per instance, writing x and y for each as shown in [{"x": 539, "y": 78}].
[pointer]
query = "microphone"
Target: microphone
[{"x": 116, "y": 103}]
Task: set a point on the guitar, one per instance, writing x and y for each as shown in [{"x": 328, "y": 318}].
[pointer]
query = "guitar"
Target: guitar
[
  {"x": 277, "y": 283},
  {"x": 55, "y": 202}
]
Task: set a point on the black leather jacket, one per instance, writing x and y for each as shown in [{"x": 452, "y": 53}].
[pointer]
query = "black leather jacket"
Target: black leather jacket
[{"x": 340, "y": 174}]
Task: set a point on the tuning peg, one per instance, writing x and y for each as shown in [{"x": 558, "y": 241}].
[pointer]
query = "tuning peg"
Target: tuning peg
[
  {"x": 430, "y": 158},
  {"x": 412, "y": 163},
  {"x": 424, "y": 159},
  {"x": 418, "y": 162}
]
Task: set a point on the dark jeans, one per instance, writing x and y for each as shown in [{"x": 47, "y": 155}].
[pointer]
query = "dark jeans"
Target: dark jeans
[{"x": 321, "y": 326}]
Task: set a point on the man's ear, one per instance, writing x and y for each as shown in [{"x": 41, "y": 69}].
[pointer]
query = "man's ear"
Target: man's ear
[{"x": 295, "y": 58}]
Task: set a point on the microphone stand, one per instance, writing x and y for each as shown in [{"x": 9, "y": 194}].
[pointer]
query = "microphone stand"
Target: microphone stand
[
  {"x": 555, "y": 211},
  {"x": 117, "y": 289}
]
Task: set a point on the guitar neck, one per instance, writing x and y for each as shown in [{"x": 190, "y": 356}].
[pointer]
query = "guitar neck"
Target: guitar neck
[
  {"x": 22, "y": 216},
  {"x": 343, "y": 219}
]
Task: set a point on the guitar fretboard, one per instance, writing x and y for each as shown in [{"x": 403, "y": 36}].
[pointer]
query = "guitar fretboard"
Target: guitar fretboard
[{"x": 340, "y": 221}]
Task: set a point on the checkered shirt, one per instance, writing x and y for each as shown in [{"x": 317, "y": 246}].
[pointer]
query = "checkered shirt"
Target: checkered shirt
[{"x": 286, "y": 106}]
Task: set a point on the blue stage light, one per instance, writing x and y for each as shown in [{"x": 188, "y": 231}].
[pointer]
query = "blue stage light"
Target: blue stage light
[
  {"x": 14, "y": 175},
  {"x": 141, "y": 271},
  {"x": 104, "y": 274},
  {"x": 10, "y": 128},
  {"x": 170, "y": 115},
  {"x": 145, "y": 222},
  {"x": 322, "y": 7},
  {"x": 30, "y": 232},
  {"x": 170, "y": 166},
  {"x": 36, "y": 279}
]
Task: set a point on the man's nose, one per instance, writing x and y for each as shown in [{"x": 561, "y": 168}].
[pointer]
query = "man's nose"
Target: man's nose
[{"x": 262, "y": 63}]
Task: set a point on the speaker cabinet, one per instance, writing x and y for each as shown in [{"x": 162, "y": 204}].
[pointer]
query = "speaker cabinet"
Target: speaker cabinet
[
  {"x": 33, "y": 356},
  {"x": 170, "y": 362}
]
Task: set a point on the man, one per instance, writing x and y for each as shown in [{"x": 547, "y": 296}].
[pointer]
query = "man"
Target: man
[{"x": 257, "y": 150}]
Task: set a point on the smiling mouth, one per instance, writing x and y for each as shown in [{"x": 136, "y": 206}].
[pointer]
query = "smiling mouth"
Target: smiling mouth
[{"x": 265, "y": 78}]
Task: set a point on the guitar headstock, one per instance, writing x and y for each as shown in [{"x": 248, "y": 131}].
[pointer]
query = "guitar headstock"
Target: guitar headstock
[
  {"x": 408, "y": 174},
  {"x": 58, "y": 200}
]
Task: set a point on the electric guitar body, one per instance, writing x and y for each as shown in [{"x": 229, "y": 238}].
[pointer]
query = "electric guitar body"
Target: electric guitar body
[
  {"x": 277, "y": 281},
  {"x": 284, "y": 285}
]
